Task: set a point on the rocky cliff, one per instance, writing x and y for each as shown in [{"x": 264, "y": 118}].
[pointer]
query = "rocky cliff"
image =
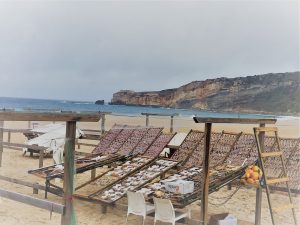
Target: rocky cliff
[{"x": 271, "y": 93}]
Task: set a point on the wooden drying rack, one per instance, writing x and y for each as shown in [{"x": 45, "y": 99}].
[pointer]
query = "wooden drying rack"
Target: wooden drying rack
[
  {"x": 206, "y": 160},
  {"x": 66, "y": 209}
]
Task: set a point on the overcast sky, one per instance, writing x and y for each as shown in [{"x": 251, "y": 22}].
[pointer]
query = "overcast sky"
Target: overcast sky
[{"x": 80, "y": 50}]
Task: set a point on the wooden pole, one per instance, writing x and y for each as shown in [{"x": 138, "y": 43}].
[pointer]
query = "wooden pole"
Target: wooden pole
[
  {"x": 41, "y": 158},
  {"x": 103, "y": 209},
  {"x": 8, "y": 136},
  {"x": 147, "y": 120},
  {"x": 93, "y": 174},
  {"x": 68, "y": 217},
  {"x": 102, "y": 123},
  {"x": 205, "y": 179},
  {"x": 1, "y": 140},
  {"x": 93, "y": 171},
  {"x": 35, "y": 189},
  {"x": 77, "y": 143},
  {"x": 171, "y": 125},
  {"x": 258, "y": 206},
  {"x": 259, "y": 189}
]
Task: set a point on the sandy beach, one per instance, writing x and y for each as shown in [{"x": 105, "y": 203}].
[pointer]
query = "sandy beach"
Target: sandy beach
[
  {"x": 143, "y": 69},
  {"x": 242, "y": 204}
]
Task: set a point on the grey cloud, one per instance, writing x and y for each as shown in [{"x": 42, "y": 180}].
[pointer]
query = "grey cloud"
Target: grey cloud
[{"x": 53, "y": 49}]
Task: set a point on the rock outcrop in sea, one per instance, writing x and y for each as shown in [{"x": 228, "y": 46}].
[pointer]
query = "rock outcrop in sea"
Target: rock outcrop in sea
[
  {"x": 99, "y": 102},
  {"x": 268, "y": 93}
]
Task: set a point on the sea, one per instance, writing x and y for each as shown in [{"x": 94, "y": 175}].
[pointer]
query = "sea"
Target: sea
[{"x": 46, "y": 105}]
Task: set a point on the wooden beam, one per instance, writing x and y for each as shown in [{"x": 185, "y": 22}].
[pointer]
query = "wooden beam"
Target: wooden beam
[
  {"x": 265, "y": 129},
  {"x": 205, "y": 184},
  {"x": 1, "y": 140},
  {"x": 87, "y": 144},
  {"x": 91, "y": 130},
  {"x": 277, "y": 180},
  {"x": 92, "y": 180},
  {"x": 14, "y": 148},
  {"x": 159, "y": 114},
  {"x": 234, "y": 120},
  {"x": 82, "y": 153},
  {"x": 49, "y": 116},
  {"x": 34, "y": 147},
  {"x": 95, "y": 137},
  {"x": 24, "y": 183},
  {"x": 17, "y": 130},
  {"x": 270, "y": 154},
  {"x": 68, "y": 217},
  {"x": 17, "y": 181},
  {"x": 26, "y": 199}
]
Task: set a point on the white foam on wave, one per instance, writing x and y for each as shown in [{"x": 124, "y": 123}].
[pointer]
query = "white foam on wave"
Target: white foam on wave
[
  {"x": 285, "y": 118},
  {"x": 83, "y": 103}
]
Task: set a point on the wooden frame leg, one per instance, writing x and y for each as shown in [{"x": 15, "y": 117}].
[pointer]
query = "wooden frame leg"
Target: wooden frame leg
[{"x": 258, "y": 206}]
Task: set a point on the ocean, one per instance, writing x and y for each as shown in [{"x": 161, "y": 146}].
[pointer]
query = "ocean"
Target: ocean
[{"x": 24, "y": 104}]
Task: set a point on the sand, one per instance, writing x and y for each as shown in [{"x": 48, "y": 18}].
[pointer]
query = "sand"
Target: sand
[{"x": 242, "y": 204}]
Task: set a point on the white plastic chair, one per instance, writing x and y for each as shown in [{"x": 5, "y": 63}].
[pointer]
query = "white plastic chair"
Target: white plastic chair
[
  {"x": 165, "y": 212},
  {"x": 137, "y": 205}
]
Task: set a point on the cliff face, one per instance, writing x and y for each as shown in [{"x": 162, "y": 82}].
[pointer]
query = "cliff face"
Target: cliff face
[{"x": 273, "y": 93}]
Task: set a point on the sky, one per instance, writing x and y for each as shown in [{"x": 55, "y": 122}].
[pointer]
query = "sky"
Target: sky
[{"x": 87, "y": 50}]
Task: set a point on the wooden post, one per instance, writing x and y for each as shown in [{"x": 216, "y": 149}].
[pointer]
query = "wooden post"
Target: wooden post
[
  {"x": 29, "y": 124},
  {"x": 259, "y": 190},
  {"x": 68, "y": 217},
  {"x": 171, "y": 125},
  {"x": 1, "y": 139},
  {"x": 41, "y": 158},
  {"x": 77, "y": 143},
  {"x": 35, "y": 189},
  {"x": 205, "y": 179},
  {"x": 102, "y": 123},
  {"x": 93, "y": 174},
  {"x": 229, "y": 187},
  {"x": 258, "y": 206},
  {"x": 103, "y": 209},
  {"x": 8, "y": 136},
  {"x": 147, "y": 120}
]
